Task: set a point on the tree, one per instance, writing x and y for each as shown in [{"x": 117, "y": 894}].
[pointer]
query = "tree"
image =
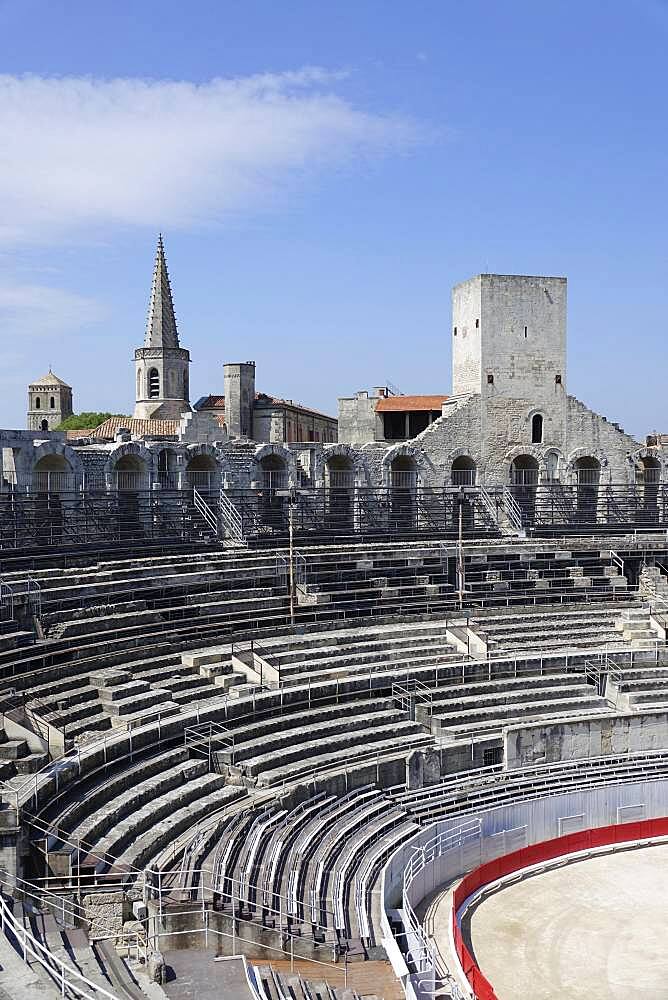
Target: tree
[{"x": 85, "y": 421}]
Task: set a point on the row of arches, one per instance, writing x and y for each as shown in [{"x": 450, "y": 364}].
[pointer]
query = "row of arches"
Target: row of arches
[{"x": 340, "y": 472}]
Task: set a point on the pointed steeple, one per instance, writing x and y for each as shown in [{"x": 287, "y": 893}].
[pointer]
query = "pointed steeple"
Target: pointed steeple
[{"x": 161, "y": 325}]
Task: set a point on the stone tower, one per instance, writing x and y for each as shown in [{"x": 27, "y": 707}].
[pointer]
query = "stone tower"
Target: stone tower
[
  {"x": 49, "y": 402},
  {"x": 509, "y": 347},
  {"x": 509, "y": 337},
  {"x": 161, "y": 365},
  {"x": 239, "y": 398}
]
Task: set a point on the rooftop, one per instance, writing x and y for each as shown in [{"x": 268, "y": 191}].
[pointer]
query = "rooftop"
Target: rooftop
[
  {"x": 50, "y": 379},
  {"x": 401, "y": 404},
  {"x": 217, "y": 402}
]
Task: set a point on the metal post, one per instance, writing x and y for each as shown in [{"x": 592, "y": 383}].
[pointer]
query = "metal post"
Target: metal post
[
  {"x": 460, "y": 558},
  {"x": 291, "y": 558},
  {"x": 234, "y": 923}
]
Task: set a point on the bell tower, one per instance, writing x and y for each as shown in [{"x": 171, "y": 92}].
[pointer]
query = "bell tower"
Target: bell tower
[{"x": 162, "y": 391}]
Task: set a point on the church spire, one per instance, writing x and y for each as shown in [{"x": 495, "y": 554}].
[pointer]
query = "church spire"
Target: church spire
[{"x": 161, "y": 325}]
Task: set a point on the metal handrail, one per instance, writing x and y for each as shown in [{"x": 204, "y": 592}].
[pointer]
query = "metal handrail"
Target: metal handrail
[
  {"x": 231, "y": 517},
  {"x": 65, "y": 977},
  {"x": 512, "y": 509},
  {"x": 202, "y": 508}
]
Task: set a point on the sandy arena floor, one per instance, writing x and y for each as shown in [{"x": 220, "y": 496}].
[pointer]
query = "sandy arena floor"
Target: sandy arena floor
[{"x": 593, "y": 930}]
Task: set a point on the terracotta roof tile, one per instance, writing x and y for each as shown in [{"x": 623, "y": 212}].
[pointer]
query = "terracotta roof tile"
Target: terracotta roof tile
[
  {"x": 216, "y": 402},
  {"x": 402, "y": 404}
]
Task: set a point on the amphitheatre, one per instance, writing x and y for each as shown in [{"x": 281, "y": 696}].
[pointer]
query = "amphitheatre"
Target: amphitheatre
[{"x": 317, "y": 720}]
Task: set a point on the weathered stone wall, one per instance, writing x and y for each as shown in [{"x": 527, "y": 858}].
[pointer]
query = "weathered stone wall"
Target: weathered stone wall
[
  {"x": 466, "y": 336},
  {"x": 589, "y": 736},
  {"x": 358, "y": 421}
]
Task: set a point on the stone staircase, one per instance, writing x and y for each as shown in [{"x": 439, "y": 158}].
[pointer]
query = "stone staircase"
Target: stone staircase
[
  {"x": 636, "y": 628},
  {"x": 16, "y": 757}
]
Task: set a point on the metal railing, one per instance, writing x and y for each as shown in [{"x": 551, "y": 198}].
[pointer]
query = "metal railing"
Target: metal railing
[
  {"x": 55, "y": 482},
  {"x": 205, "y": 512},
  {"x": 512, "y": 510},
  {"x": 26, "y": 593},
  {"x": 133, "y": 482},
  {"x": 66, "y": 978},
  {"x": 231, "y": 517},
  {"x": 130, "y": 511}
]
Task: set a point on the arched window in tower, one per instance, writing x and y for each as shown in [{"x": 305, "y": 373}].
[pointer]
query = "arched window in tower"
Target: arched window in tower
[
  {"x": 138, "y": 385},
  {"x": 537, "y": 429},
  {"x": 153, "y": 383},
  {"x": 38, "y": 403},
  {"x": 52, "y": 403}
]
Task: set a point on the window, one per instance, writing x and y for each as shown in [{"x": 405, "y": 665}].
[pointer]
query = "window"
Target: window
[
  {"x": 525, "y": 332},
  {"x": 44, "y": 425},
  {"x": 153, "y": 384},
  {"x": 38, "y": 403},
  {"x": 537, "y": 429},
  {"x": 477, "y": 324},
  {"x": 557, "y": 379},
  {"x": 490, "y": 380},
  {"x": 455, "y": 331},
  {"x": 52, "y": 403}
]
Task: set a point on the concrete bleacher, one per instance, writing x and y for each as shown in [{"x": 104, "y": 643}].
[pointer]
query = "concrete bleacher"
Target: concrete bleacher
[
  {"x": 305, "y": 788},
  {"x": 566, "y": 627}
]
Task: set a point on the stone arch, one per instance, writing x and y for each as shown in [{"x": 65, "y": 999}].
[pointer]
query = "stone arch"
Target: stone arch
[
  {"x": 57, "y": 449},
  {"x": 644, "y": 458},
  {"x": 342, "y": 451},
  {"x": 202, "y": 469},
  {"x": 276, "y": 451},
  {"x": 553, "y": 460},
  {"x": 129, "y": 450},
  {"x": 56, "y": 468},
  {"x": 520, "y": 450},
  {"x": 458, "y": 460},
  {"x": 201, "y": 451},
  {"x": 577, "y": 455},
  {"x": 406, "y": 451}
]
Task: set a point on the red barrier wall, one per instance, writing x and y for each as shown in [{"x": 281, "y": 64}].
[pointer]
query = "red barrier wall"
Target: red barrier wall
[{"x": 491, "y": 871}]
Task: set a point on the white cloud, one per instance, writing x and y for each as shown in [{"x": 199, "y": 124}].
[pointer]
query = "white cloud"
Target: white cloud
[
  {"x": 77, "y": 154},
  {"x": 33, "y": 311}
]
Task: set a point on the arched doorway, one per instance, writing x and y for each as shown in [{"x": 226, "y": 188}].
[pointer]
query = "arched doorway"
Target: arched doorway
[
  {"x": 202, "y": 473},
  {"x": 648, "y": 479},
  {"x": 403, "y": 492},
  {"x": 130, "y": 480},
  {"x": 44, "y": 425},
  {"x": 52, "y": 481},
  {"x": 339, "y": 491},
  {"x": 587, "y": 478},
  {"x": 524, "y": 484},
  {"x": 130, "y": 474},
  {"x": 274, "y": 477},
  {"x": 463, "y": 471},
  {"x": 167, "y": 472},
  {"x": 53, "y": 474}
]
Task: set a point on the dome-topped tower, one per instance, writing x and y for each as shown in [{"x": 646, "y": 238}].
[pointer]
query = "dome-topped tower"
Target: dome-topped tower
[
  {"x": 161, "y": 365},
  {"x": 49, "y": 402}
]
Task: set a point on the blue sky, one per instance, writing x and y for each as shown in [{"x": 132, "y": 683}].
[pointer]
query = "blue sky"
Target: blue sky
[{"x": 323, "y": 174}]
